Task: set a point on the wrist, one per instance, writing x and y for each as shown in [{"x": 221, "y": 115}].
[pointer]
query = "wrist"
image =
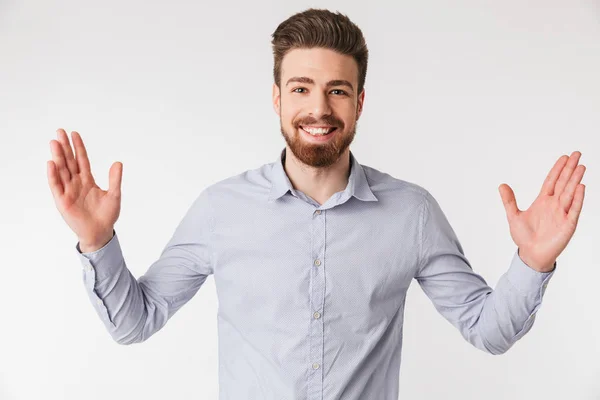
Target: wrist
[
  {"x": 88, "y": 246},
  {"x": 538, "y": 266}
]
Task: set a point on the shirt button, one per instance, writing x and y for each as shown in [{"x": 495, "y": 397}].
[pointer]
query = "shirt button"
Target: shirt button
[
  {"x": 317, "y": 315},
  {"x": 99, "y": 302},
  {"x": 545, "y": 285},
  {"x": 318, "y": 212},
  {"x": 315, "y": 366},
  {"x": 88, "y": 268},
  {"x": 317, "y": 262}
]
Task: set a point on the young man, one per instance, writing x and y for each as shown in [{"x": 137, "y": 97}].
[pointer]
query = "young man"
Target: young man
[{"x": 312, "y": 254}]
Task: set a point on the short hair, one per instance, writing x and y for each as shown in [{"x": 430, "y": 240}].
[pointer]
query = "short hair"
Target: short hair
[{"x": 320, "y": 28}]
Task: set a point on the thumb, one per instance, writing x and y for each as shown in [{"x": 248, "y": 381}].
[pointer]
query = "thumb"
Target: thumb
[
  {"x": 115, "y": 176},
  {"x": 509, "y": 201}
]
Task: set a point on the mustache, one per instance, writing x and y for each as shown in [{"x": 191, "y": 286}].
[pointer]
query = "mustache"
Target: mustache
[{"x": 326, "y": 120}]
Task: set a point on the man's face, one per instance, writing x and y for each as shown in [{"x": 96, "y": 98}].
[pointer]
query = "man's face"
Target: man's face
[{"x": 318, "y": 90}]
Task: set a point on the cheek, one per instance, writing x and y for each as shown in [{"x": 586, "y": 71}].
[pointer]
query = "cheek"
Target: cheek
[
  {"x": 348, "y": 115},
  {"x": 288, "y": 116}
]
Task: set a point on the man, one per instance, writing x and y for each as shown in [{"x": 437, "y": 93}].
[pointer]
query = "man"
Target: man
[{"x": 313, "y": 254}]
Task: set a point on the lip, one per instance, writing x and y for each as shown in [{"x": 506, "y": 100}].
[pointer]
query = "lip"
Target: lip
[{"x": 318, "y": 138}]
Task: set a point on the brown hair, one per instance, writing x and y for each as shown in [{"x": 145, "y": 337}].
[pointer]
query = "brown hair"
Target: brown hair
[{"x": 320, "y": 28}]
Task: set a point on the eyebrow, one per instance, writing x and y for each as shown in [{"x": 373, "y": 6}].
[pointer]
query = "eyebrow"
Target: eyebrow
[{"x": 307, "y": 80}]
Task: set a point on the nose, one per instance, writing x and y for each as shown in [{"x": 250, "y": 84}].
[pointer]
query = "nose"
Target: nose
[{"x": 319, "y": 105}]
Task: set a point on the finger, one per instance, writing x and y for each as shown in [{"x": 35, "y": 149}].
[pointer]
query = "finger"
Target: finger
[
  {"x": 59, "y": 159},
  {"x": 68, "y": 151},
  {"x": 566, "y": 173},
  {"x": 550, "y": 182},
  {"x": 115, "y": 176},
  {"x": 567, "y": 195},
  {"x": 56, "y": 186},
  {"x": 81, "y": 155},
  {"x": 509, "y": 201},
  {"x": 575, "y": 209}
]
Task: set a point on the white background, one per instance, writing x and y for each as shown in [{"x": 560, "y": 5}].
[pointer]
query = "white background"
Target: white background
[{"x": 461, "y": 96}]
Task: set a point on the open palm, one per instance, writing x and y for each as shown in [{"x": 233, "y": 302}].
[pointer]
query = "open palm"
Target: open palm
[
  {"x": 88, "y": 210},
  {"x": 543, "y": 231}
]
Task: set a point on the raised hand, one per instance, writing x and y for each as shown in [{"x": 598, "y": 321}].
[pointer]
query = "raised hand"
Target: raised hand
[
  {"x": 543, "y": 231},
  {"x": 88, "y": 210}
]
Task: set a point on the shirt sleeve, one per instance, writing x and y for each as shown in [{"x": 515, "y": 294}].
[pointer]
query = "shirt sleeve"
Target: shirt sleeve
[
  {"x": 490, "y": 319},
  {"x": 133, "y": 310}
]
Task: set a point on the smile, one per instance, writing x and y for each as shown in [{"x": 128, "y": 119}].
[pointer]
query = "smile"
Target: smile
[{"x": 318, "y": 131}]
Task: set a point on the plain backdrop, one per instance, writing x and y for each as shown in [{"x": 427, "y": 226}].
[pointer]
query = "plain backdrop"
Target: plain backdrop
[{"x": 461, "y": 96}]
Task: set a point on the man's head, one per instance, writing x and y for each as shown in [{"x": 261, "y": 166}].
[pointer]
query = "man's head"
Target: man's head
[{"x": 320, "y": 65}]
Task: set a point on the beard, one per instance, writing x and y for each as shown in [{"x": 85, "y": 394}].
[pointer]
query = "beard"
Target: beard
[{"x": 316, "y": 154}]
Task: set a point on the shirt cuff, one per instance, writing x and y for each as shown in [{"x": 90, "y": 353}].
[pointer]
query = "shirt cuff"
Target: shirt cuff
[
  {"x": 527, "y": 280},
  {"x": 105, "y": 260}
]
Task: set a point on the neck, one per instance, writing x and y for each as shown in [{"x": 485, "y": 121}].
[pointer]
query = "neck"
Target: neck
[{"x": 318, "y": 183}]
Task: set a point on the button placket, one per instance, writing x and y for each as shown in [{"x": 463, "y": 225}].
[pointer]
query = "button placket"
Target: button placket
[{"x": 317, "y": 294}]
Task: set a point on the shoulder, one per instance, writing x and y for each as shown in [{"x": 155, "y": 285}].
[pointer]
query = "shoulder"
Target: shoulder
[
  {"x": 387, "y": 187},
  {"x": 254, "y": 182}
]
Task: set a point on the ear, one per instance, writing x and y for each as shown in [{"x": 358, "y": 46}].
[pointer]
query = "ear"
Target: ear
[
  {"x": 276, "y": 99},
  {"x": 359, "y": 107}
]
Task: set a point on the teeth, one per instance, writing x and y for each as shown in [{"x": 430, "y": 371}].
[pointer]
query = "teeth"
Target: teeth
[{"x": 318, "y": 131}]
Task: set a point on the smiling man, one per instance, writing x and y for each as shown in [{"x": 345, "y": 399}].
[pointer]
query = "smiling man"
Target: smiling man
[
  {"x": 313, "y": 254},
  {"x": 318, "y": 104}
]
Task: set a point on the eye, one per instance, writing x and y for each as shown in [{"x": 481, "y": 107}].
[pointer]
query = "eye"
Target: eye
[
  {"x": 340, "y": 90},
  {"x": 299, "y": 88}
]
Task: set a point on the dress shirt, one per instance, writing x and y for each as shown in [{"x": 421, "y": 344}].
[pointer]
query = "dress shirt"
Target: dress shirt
[{"x": 311, "y": 297}]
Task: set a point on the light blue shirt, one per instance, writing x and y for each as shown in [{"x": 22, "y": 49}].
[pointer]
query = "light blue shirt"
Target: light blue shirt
[{"x": 311, "y": 297}]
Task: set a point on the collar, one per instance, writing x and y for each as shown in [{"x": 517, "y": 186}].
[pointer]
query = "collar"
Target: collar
[{"x": 358, "y": 186}]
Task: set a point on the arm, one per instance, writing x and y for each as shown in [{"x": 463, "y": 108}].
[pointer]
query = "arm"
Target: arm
[
  {"x": 493, "y": 320},
  {"x": 490, "y": 319},
  {"x": 133, "y": 310}
]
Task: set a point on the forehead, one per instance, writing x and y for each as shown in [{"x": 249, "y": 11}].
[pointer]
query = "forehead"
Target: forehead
[{"x": 320, "y": 64}]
